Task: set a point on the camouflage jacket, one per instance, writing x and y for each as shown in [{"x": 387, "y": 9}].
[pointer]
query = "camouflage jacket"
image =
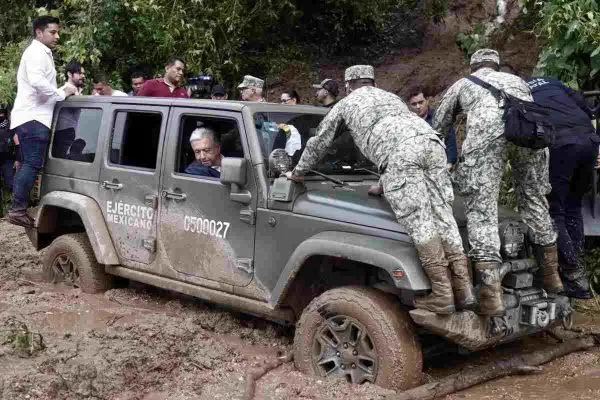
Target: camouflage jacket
[
  {"x": 377, "y": 120},
  {"x": 484, "y": 115}
]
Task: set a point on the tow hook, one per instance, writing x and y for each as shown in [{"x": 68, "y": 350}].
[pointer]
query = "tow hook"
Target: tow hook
[{"x": 538, "y": 315}]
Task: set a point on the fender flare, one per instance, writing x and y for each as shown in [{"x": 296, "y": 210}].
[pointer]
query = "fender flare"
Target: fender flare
[
  {"x": 385, "y": 254},
  {"x": 90, "y": 213}
]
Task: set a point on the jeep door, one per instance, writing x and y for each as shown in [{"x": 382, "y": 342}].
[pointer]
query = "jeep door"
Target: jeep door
[
  {"x": 203, "y": 231},
  {"x": 129, "y": 180}
]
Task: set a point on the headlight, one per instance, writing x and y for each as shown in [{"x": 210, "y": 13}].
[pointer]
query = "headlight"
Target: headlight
[{"x": 512, "y": 239}]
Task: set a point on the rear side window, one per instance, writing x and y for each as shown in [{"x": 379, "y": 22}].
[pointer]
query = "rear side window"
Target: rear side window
[
  {"x": 135, "y": 139},
  {"x": 76, "y": 134}
]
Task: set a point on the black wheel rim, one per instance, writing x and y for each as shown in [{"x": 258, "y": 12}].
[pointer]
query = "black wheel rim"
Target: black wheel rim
[
  {"x": 64, "y": 269},
  {"x": 343, "y": 347}
]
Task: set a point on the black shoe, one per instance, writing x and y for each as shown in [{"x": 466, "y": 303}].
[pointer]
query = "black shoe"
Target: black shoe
[
  {"x": 20, "y": 218},
  {"x": 577, "y": 289}
]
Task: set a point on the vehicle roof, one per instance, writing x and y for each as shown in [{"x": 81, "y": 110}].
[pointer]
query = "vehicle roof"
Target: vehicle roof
[{"x": 205, "y": 103}]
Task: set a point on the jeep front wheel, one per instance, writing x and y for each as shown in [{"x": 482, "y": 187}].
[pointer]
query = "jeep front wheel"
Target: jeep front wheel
[
  {"x": 70, "y": 258},
  {"x": 360, "y": 334}
]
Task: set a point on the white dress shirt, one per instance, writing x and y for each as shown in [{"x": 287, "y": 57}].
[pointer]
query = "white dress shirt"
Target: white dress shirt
[
  {"x": 119, "y": 93},
  {"x": 36, "y": 87}
]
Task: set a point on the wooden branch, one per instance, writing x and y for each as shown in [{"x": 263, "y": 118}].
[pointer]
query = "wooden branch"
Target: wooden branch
[
  {"x": 495, "y": 369},
  {"x": 256, "y": 373}
]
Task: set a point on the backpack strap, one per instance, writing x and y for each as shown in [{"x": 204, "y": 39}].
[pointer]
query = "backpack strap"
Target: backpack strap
[{"x": 494, "y": 90}]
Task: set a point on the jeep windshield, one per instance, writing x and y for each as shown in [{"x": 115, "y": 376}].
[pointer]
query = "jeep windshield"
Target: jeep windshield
[{"x": 291, "y": 131}]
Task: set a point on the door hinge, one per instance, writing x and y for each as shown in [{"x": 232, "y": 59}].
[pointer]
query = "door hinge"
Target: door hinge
[
  {"x": 149, "y": 244},
  {"x": 246, "y": 265},
  {"x": 151, "y": 201},
  {"x": 248, "y": 216}
]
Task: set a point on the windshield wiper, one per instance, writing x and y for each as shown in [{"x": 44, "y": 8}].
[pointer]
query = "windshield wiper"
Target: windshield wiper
[
  {"x": 328, "y": 178},
  {"x": 369, "y": 171}
]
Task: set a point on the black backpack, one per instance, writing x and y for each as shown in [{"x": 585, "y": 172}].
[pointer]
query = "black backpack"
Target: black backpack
[{"x": 526, "y": 123}]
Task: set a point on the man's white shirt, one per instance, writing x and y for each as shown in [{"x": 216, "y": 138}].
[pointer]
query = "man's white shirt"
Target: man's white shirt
[{"x": 36, "y": 87}]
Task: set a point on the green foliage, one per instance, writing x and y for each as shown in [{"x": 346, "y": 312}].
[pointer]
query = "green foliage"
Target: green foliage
[
  {"x": 225, "y": 38},
  {"x": 571, "y": 30},
  {"x": 436, "y": 10},
  {"x": 23, "y": 342},
  {"x": 471, "y": 41}
]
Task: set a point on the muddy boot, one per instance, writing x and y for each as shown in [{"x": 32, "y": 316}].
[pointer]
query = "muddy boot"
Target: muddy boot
[
  {"x": 575, "y": 282},
  {"x": 441, "y": 299},
  {"x": 462, "y": 285},
  {"x": 491, "y": 301},
  {"x": 547, "y": 259},
  {"x": 20, "y": 218}
]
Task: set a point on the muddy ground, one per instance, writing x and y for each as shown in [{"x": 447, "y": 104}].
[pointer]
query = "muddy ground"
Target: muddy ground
[{"x": 138, "y": 342}]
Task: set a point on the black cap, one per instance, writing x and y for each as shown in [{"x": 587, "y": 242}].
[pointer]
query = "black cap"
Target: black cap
[
  {"x": 330, "y": 85},
  {"x": 218, "y": 90}
]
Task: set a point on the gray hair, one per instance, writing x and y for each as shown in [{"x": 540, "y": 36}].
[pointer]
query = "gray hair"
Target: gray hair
[{"x": 202, "y": 132}]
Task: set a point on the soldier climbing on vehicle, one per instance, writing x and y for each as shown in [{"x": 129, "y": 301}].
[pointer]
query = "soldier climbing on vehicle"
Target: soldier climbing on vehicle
[
  {"x": 485, "y": 151},
  {"x": 415, "y": 180}
]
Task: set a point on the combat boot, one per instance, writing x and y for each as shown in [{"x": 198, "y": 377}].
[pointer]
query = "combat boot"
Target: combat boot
[
  {"x": 575, "y": 281},
  {"x": 491, "y": 298},
  {"x": 547, "y": 259},
  {"x": 441, "y": 299},
  {"x": 462, "y": 284}
]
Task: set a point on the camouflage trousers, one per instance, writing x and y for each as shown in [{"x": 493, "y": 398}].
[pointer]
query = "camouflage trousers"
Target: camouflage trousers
[
  {"x": 417, "y": 185},
  {"x": 478, "y": 177}
]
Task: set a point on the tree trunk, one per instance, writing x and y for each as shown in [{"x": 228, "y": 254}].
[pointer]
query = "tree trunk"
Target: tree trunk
[{"x": 521, "y": 363}]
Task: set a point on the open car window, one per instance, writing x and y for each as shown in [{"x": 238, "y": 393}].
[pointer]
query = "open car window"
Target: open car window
[{"x": 276, "y": 130}]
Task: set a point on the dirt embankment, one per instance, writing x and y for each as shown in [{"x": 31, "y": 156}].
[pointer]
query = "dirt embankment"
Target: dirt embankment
[
  {"x": 140, "y": 343},
  {"x": 439, "y": 62}
]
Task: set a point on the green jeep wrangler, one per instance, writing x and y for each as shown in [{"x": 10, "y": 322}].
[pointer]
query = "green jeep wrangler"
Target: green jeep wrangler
[{"x": 115, "y": 201}]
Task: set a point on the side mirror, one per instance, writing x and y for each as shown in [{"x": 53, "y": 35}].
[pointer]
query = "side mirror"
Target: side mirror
[{"x": 233, "y": 171}]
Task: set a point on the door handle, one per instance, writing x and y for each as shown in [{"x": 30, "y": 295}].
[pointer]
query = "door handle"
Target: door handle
[
  {"x": 112, "y": 185},
  {"x": 173, "y": 195}
]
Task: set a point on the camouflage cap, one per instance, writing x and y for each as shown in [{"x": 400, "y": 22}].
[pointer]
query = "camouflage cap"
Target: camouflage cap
[
  {"x": 251, "y": 81},
  {"x": 359, "y": 72},
  {"x": 482, "y": 55}
]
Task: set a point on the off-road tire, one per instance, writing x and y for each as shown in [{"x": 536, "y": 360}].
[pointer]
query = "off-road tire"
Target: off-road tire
[
  {"x": 92, "y": 278},
  {"x": 392, "y": 332}
]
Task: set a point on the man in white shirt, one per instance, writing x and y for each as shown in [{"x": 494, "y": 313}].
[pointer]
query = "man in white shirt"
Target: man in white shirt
[
  {"x": 32, "y": 112},
  {"x": 104, "y": 88}
]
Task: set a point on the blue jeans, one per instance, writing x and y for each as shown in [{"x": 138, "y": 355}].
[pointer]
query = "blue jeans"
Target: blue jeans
[{"x": 33, "y": 138}]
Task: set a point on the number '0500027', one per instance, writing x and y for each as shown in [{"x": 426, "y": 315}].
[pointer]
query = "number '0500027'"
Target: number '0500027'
[{"x": 206, "y": 226}]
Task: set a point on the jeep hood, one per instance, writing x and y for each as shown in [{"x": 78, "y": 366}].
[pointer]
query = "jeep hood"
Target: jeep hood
[{"x": 355, "y": 206}]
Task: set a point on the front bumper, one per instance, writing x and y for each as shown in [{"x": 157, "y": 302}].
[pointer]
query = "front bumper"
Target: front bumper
[{"x": 535, "y": 311}]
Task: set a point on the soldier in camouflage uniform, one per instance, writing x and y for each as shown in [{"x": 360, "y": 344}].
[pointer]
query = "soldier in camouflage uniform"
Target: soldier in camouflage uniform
[
  {"x": 479, "y": 173},
  {"x": 415, "y": 180},
  {"x": 251, "y": 89}
]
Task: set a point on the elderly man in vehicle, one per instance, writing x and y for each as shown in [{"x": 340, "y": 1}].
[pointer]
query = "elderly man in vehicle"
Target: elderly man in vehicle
[
  {"x": 207, "y": 153},
  {"x": 415, "y": 180}
]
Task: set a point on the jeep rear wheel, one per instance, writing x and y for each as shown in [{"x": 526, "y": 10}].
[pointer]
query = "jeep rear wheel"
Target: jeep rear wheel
[
  {"x": 360, "y": 334},
  {"x": 70, "y": 258}
]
